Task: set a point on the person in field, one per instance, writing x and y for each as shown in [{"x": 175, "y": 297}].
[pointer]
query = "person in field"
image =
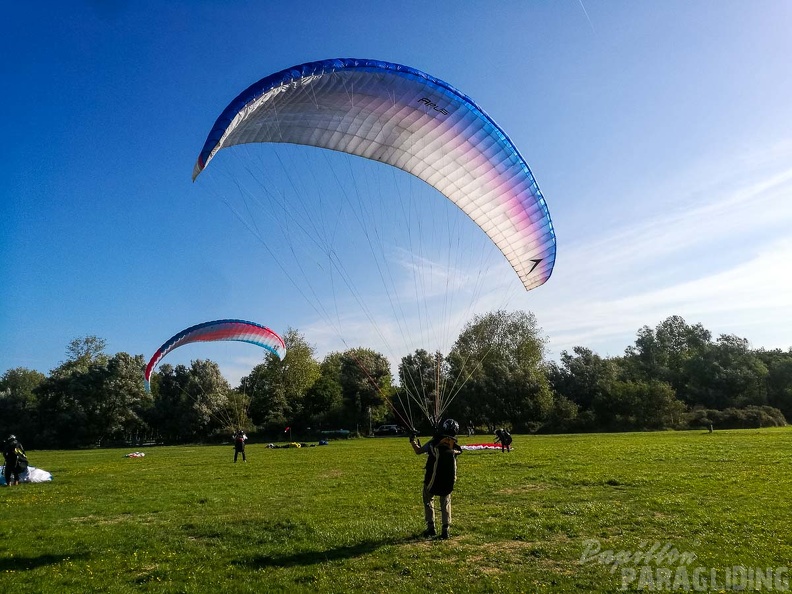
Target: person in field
[
  {"x": 239, "y": 445},
  {"x": 504, "y": 438},
  {"x": 440, "y": 475},
  {"x": 15, "y": 460}
]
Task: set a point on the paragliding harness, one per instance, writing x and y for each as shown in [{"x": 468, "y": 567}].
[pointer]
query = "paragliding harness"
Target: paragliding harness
[
  {"x": 239, "y": 445},
  {"x": 22, "y": 461},
  {"x": 441, "y": 466}
]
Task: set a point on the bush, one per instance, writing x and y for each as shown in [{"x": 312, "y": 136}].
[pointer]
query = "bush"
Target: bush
[{"x": 750, "y": 417}]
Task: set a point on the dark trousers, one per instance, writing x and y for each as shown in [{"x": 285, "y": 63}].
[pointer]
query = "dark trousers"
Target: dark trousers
[{"x": 9, "y": 471}]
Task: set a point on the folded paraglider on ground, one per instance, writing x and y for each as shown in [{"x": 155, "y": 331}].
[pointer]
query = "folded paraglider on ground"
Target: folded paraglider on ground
[
  {"x": 482, "y": 446},
  {"x": 294, "y": 444},
  {"x": 31, "y": 475}
]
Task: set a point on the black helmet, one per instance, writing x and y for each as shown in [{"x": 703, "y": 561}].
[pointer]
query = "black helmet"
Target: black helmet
[
  {"x": 450, "y": 427},
  {"x": 11, "y": 437}
]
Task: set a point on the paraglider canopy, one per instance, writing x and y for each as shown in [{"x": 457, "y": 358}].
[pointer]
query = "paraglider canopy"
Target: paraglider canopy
[
  {"x": 408, "y": 119},
  {"x": 220, "y": 330}
]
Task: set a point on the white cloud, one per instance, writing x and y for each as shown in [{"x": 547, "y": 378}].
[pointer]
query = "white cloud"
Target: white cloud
[{"x": 721, "y": 258}]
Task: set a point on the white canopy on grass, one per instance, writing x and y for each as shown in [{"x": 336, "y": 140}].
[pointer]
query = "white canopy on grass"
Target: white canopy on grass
[{"x": 31, "y": 475}]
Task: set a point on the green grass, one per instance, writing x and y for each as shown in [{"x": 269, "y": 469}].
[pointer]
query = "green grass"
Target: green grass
[{"x": 344, "y": 518}]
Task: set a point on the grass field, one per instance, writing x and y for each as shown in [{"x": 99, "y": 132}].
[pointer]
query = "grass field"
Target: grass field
[{"x": 345, "y": 517}]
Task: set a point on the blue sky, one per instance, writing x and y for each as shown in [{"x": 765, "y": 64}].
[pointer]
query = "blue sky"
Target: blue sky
[{"x": 659, "y": 132}]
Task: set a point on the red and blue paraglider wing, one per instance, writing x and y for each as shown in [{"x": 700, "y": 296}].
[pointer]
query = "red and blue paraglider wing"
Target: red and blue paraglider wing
[{"x": 219, "y": 330}]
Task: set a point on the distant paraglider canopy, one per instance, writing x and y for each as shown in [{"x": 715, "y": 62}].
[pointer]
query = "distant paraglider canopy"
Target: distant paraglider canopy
[
  {"x": 220, "y": 330},
  {"x": 412, "y": 121}
]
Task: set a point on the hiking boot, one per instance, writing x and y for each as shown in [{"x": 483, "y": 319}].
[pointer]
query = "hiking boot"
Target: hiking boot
[
  {"x": 429, "y": 532},
  {"x": 445, "y": 535}
]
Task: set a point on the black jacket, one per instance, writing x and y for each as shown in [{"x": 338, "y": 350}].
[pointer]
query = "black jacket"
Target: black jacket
[
  {"x": 441, "y": 466},
  {"x": 10, "y": 452}
]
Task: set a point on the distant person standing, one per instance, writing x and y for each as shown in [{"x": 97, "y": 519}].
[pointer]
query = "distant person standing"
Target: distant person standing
[
  {"x": 440, "y": 475},
  {"x": 239, "y": 445},
  {"x": 15, "y": 460},
  {"x": 505, "y": 439}
]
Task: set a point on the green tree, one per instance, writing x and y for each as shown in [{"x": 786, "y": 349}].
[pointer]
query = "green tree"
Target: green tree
[
  {"x": 237, "y": 410},
  {"x": 501, "y": 357},
  {"x": 664, "y": 353},
  {"x": 323, "y": 407},
  {"x": 564, "y": 416},
  {"x": 278, "y": 388},
  {"x": 60, "y": 409},
  {"x": 92, "y": 397},
  {"x": 81, "y": 354},
  {"x": 650, "y": 404},
  {"x": 583, "y": 376},
  {"x": 190, "y": 403},
  {"x": 60, "y": 399},
  {"x": 418, "y": 379},
  {"x": 727, "y": 374},
  {"x": 779, "y": 379},
  {"x": 119, "y": 402},
  {"x": 366, "y": 383},
  {"x": 19, "y": 404},
  {"x": 170, "y": 402}
]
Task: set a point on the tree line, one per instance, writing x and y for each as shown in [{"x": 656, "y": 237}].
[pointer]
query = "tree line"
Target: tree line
[{"x": 674, "y": 376}]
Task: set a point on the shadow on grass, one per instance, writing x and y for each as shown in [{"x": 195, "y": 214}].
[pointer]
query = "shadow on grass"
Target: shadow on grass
[
  {"x": 26, "y": 563},
  {"x": 313, "y": 557}
]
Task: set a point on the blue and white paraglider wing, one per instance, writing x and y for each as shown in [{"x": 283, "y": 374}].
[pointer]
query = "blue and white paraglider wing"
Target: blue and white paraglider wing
[{"x": 413, "y": 121}]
